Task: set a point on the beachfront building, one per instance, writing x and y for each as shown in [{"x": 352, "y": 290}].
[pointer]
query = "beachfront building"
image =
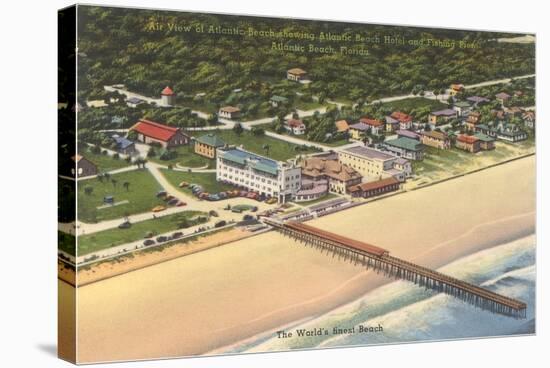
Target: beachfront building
[
  {"x": 296, "y": 74},
  {"x": 405, "y": 147},
  {"x": 435, "y": 139},
  {"x": 503, "y": 131},
  {"x": 373, "y": 164},
  {"x": 295, "y": 126},
  {"x": 206, "y": 145},
  {"x": 167, "y": 97},
  {"x": 468, "y": 143},
  {"x": 486, "y": 143},
  {"x": 374, "y": 188},
  {"x": 83, "y": 167},
  {"x": 441, "y": 116},
  {"x": 529, "y": 119},
  {"x": 229, "y": 112},
  {"x": 338, "y": 175},
  {"x": 259, "y": 174},
  {"x": 462, "y": 108},
  {"x": 153, "y": 132}
]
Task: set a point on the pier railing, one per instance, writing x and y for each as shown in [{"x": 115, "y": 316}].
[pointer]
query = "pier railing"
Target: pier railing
[{"x": 378, "y": 259}]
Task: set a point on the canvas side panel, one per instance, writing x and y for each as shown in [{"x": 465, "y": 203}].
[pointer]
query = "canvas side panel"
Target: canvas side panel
[{"x": 67, "y": 110}]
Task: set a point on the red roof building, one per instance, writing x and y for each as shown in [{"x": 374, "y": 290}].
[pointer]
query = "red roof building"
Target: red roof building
[
  {"x": 405, "y": 120},
  {"x": 150, "y": 131},
  {"x": 468, "y": 143},
  {"x": 371, "y": 122}
]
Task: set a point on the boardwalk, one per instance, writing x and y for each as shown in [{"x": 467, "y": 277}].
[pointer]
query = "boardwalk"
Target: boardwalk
[{"x": 371, "y": 256}]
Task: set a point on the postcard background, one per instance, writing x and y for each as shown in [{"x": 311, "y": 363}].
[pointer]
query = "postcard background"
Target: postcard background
[{"x": 28, "y": 311}]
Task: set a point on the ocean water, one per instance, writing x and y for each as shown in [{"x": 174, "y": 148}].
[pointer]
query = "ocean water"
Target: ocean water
[{"x": 409, "y": 313}]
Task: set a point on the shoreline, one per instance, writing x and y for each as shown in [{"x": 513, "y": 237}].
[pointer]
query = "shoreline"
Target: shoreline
[
  {"x": 159, "y": 259},
  {"x": 233, "y": 293}
]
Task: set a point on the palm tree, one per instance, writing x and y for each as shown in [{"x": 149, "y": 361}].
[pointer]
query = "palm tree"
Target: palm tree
[
  {"x": 126, "y": 185},
  {"x": 266, "y": 148}
]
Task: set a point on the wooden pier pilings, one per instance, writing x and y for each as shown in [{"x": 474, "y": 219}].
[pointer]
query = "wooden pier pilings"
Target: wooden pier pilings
[{"x": 378, "y": 259}]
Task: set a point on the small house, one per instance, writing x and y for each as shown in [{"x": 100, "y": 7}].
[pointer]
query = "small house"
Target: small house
[
  {"x": 206, "y": 145},
  {"x": 295, "y": 126},
  {"x": 296, "y": 74},
  {"x": 341, "y": 126},
  {"x": 456, "y": 88},
  {"x": 442, "y": 116},
  {"x": 502, "y": 97},
  {"x": 83, "y": 167},
  {"x": 468, "y": 143},
  {"x": 229, "y": 112},
  {"x": 486, "y": 143},
  {"x": 375, "y": 125},
  {"x": 463, "y": 108},
  {"x": 134, "y": 102},
  {"x": 405, "y": 120}
]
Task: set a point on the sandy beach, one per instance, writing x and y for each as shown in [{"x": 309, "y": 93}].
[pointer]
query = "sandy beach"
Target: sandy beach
[{"x": 201, "y": 302}]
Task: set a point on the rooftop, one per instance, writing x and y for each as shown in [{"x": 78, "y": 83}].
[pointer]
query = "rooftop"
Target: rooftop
[
  {"x": 477, "y": 99},
  {"x": 436, "y": 135},
  {"x": 211, "y": 139},
  {"x": 374, "y": 184},
  {"x": 296, "y": 71},
  {"x": 230, "y": 109},
  {"x": 462, "y": 104},
  {"x": 342, "y": 125},
  {"x": 444, "y": 112},
  {"x": 257, "y": 162},
  {"x": 294, "y": 123},
  {"x": 167, "y": 91},
  {"x": 407, "y": 133},
  {"x": 371, "y": 122},
  {"x": 368, "y": 153},
  {"x": 484, "y": 137},
  {"x": 401, "y": 116},
  {"x": 317, "y": 166},
  {"x": 155, "y": 130},
  {"x": 122, "y": 142},
  {"x": 360, "y": 126},
  {"x": 470, "y": 139},
  {"x": 502, "y": 95},
  {"x": 405, "y": 143}
]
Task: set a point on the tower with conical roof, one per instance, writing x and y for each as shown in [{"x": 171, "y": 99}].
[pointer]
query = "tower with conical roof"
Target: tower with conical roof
[{"x": 168, "y": 96}]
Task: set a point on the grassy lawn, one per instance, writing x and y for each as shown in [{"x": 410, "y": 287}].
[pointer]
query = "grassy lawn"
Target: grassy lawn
[
  {"x": 66, "y": 242},
  {"x": 104, "y": 162},
  {"x": 206, "y": 180},
  {"x": 318, "y": 200},
  {"x": 414, "y": 103},
  {"x": 110, "y": 238},
  {"x": 279, "y": 150},
  {"x": 187, "y": 157},
  {"x": 141, "y": 196}
]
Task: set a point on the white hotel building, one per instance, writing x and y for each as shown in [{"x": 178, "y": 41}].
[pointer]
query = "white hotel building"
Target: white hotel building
[{"x": 257, "y": 173}]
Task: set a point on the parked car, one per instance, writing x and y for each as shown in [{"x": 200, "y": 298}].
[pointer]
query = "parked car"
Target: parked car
[
  {"x": 173, "y": 201},
  {"x": 243, "y": 193},
  {"x": 213, "y": 213},
  {"x": 183, "y": 184},
  {"x": 181, "y": 204},
  {"x": 222, "y": 195},
  {"x": 168, "y": 198},
  {"x": 158, "y": 208},
  {"x": 203, "y": 195},
  {"x": 220, "y": 223},
  {"x": 108, "y": 199},
  {"x": 177, "y": 235},
  {"x": 148, "y": 242},
  {"x": 125, "y": 225},
  {"x": 161, "y": 193},
  {"x": 254, "y": 209},
  {"x": 161, "y": 239},
  {"x": 248, "y": 217}
]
